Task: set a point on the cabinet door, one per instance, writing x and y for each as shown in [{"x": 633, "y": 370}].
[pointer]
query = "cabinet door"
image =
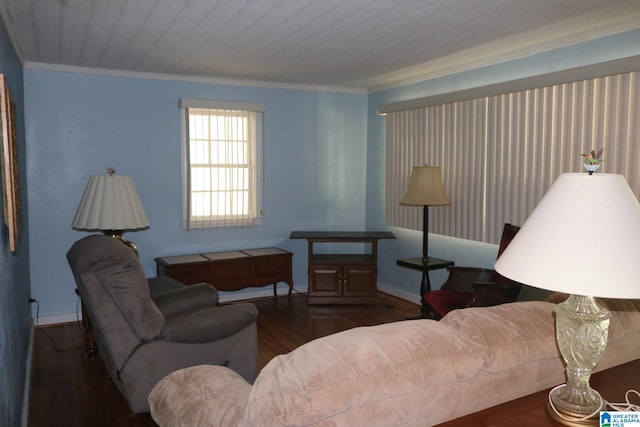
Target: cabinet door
[
  {"x": 325, "y": 280},
  {"x": 359, "y": 280}
]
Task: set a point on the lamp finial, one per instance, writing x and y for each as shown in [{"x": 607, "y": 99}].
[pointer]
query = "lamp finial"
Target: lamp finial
[{"x": 111, "y": 170}]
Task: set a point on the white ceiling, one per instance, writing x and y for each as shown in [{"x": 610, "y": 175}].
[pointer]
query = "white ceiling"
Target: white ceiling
[{"x": 360, "y": 44}]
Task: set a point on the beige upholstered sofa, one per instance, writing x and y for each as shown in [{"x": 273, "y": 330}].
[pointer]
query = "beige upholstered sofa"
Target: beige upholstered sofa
[{"x": 411, "y": 373}]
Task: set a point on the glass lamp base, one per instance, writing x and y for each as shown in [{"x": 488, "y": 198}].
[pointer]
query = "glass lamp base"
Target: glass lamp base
[
  {"x": 581, "y": 332},
  {"x": 571, "y": 419}
]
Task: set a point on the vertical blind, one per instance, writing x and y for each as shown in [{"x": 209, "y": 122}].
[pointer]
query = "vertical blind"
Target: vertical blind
[{"x": 499, "y": 155}]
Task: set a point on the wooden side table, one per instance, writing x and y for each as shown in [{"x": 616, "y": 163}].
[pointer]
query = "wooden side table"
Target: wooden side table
[
  {"x": 420, "y": 265},
  {"x": 231, "y": 270},
  {"x": 529, "y": 411},
  {"x": 343, "y": 278}
]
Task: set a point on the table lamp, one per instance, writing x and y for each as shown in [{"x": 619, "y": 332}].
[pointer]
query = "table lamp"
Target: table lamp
[
  {"x": 425, "y": 189},
  {"x": 583, "y": 239},
  {"x": 110, "y": 204}
]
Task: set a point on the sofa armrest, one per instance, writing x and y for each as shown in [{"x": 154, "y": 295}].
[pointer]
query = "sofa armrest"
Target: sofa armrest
[
  {"x": 199, "y": 396},
  {"x": 209, "y": 324},
  {"x": 186, "y": 299}
]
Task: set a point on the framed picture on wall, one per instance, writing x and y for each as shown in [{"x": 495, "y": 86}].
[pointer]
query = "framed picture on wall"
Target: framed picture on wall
[{"x": 9, "y": 163}]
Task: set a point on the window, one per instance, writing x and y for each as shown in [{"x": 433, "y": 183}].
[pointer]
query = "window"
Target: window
[{"x": 222, "y": 164}]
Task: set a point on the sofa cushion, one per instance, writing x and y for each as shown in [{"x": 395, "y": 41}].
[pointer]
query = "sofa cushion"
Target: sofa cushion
[
  {"x": 512, "y": 333},
  {"x": 358, "y": 368}
]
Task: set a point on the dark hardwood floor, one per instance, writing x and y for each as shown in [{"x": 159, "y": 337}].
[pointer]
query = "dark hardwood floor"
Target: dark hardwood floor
[{"x": 68, "y": 389}]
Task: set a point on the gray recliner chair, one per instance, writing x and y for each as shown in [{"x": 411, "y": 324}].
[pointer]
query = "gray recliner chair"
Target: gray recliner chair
[{"x": 142, "y": 335}]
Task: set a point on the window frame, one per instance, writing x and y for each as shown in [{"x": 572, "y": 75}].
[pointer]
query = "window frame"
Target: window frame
[{"x": 254, "y": 162}]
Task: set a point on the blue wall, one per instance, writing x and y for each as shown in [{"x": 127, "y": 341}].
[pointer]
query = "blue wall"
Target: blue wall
[
  {"x": 79, "y": 123},
  {"x": 324, "y": 163},
  {"x": 463, "y": 252},
  {"x": 15, "y": 314}
]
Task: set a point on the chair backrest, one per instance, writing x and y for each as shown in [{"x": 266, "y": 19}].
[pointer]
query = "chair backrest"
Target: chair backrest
[
  {"x": 115, "y": 294},
  {"x": 508, "y": 233}
]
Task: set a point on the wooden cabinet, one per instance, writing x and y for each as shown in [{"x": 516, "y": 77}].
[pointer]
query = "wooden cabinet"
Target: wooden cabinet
[
  {"x": 188, "y": 269},
  {"x": 343, "y": 278},
  {"x": 231, "y": 270}
]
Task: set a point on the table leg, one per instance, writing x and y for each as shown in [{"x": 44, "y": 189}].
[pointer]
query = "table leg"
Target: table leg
[
  {"x": 275, "y": 292},
  {"x": 290, "y": 283},
  {"x": 425, "y": 286}
]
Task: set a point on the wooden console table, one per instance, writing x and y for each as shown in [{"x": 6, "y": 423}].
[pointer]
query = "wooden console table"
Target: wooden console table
[
  {"x": 530, "y": 410},
  {"x": 231, "y": 270},
  {"x": 339, "y": 278}
]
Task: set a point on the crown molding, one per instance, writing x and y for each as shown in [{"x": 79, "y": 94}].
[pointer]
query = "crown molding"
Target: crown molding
[
  {"x": 190, "y": 79},
  {"x": 615, "y": 20}
]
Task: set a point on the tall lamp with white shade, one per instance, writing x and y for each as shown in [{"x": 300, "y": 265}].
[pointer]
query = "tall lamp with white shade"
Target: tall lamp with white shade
[
  {"x": 583, "y": 239},
  {"x": 110, "y": 204}
]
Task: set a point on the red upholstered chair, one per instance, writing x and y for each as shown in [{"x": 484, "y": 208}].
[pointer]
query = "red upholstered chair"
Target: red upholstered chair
[{"x": 473, "y": 286}]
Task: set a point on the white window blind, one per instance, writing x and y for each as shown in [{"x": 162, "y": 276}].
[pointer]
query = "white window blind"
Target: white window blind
[
  {"x": 222, "y": 164},
  {"x": 498, "y": 155}
]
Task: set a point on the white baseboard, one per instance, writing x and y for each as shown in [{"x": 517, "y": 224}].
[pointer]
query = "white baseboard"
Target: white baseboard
[
  {"x": 268, "y": 292},
  {"x": 400, "y": 293},
  {"x": 27, "y": 381},
  {"x": 57, "y": 318},
  {"x": 264, "y": 292}
]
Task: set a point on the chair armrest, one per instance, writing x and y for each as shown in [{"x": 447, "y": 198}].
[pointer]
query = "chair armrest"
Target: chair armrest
[
  {"x": 210, "y": 324},
  {"x": 493, "y": 293},
  {"x": 442, "y": 301},
  {"x": 161, "y": 284},
  {"x": 463, "y": 278},
  {"x": 186, "y": 299}
]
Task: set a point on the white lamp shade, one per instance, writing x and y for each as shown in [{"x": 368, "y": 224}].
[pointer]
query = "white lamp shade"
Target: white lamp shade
[
  {"x": 110, "y": 202},
  {"x": 582, "y": 239},
  {"x": 425, "y": 188}
]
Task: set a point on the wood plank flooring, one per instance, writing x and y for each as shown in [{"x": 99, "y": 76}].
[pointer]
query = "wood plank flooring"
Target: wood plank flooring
[{"x": 68, "y": 389}]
